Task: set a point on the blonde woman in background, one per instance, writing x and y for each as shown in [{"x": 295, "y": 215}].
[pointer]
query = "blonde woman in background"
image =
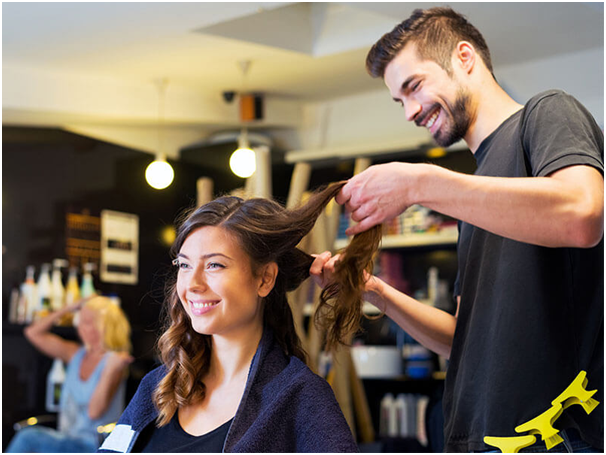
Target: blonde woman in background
[{"x": 94, "y": 387}]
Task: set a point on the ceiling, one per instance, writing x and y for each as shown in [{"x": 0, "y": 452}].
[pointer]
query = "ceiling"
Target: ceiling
[{"x": 96, "y": 63}]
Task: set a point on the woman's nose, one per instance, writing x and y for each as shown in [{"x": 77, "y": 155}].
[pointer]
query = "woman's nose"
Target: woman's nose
[{"x": 197, "y": 281}]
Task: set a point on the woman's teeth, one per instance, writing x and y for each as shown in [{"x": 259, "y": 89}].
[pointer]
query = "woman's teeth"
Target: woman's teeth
[
  {"x": 432, "y": 120},
  {"x": 198, "y": 306}
]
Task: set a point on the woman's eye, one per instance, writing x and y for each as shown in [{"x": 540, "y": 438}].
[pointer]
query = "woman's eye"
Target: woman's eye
[
  {"x": 215, "y": 265},
  {"x": 180, "y": 265}
]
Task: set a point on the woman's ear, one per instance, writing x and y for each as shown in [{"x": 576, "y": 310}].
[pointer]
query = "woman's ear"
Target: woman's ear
[{"x": 268, "y": 279}]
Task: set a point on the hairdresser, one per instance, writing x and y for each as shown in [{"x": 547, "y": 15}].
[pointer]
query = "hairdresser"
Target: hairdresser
[
  {"x": 530, "y": 283},
  {"x": 94, "y": 387}
]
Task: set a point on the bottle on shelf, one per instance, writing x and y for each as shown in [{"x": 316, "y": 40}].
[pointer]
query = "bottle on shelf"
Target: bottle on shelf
[
  {"x": 72, "y": 289},
  {"x": 88, "y": 288},
  {"x": 54, "y": 382},
  {"x": 27, "y": 299},
  {"x": 388, "y": 424},
  {"x": 57, "y": 289},
  {"x": 15, "y": 304},
  {"x": 432, "y": 285},
  {"x": 44, "y": 292}
]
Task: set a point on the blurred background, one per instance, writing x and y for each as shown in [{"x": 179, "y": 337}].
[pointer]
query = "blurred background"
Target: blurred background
[{"x": 92, "y": 93}]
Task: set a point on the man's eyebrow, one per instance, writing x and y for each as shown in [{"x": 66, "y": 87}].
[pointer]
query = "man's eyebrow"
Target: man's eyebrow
[
  {"x": 404, "y": 87},
  {"x": 406, "y": 83},
  {"x": 205, "y": 256}
]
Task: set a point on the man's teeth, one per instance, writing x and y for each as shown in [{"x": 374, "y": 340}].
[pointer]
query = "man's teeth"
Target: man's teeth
[
  {"x": 432, "y": 120},
  {"x": 202, "y": 305}
]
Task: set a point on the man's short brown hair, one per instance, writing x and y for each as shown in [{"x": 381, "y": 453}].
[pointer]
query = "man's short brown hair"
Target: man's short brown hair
[{"x": 435, "y": 31}]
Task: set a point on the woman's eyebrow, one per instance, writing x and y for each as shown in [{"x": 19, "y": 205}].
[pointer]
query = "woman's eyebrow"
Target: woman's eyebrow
[{"x": 205, "y": 256}]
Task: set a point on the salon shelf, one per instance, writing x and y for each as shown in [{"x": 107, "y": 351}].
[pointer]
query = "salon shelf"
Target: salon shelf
[
  {"x": 368, "y": 309},
  {"x": 446, "y": 237},
  {"x": 435, "y": 376}
]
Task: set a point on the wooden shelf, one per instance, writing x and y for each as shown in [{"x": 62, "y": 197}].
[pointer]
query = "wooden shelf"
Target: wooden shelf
[
  {"x": 435, "y": 376},
  {"x": 368, "y": 308},
  {"x": 446, "y": 237}
]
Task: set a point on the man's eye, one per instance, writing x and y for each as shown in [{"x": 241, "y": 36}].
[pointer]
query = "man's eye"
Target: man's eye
[{"x": 416, "y": 86}]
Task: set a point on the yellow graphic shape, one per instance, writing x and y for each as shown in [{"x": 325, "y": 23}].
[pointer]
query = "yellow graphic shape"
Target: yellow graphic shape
[
  {"x": 543, "y": 425},
  {"x": 576, "y": 393},
  {"x": 511, "y": 444}
]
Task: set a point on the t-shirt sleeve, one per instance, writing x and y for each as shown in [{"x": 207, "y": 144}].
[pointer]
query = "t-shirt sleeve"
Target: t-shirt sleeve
[{"x": 559, "y": 132}]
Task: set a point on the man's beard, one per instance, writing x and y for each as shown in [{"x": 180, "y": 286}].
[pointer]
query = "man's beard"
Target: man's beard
[{"x": 459, "y": 121}]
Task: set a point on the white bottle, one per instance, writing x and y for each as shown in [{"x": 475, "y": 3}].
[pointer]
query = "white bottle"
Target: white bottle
[
  {"x": 402, "y": 417},
  {"x": 388, "y": 420},
  {"x": 432, "y": 285},
  {"x": 72, "y": 289},
  {"x": 54, "y": 382},
  {"x": 27, "y": 303},
  {"x": 87, "y": 289},
  {"x": 43, "y": 299},
  {"x": 57, "y": 289}
]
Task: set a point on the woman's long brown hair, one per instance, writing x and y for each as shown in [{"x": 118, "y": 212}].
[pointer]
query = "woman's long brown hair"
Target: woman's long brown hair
[{"x": 268, "y": 233}]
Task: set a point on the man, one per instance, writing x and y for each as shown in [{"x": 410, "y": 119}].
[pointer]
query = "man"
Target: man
[{"x": 530, "y": 285}]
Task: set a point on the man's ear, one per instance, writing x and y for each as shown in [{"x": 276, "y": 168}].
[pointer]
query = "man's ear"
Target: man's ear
[
  {"x": 268, "y": 279},
  {"x": 465, "y": 56}
]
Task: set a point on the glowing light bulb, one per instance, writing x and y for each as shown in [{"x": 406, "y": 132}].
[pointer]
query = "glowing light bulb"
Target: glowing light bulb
[
  {"x": 159, "y": 174},
  {"x": 243, "y": 162}
]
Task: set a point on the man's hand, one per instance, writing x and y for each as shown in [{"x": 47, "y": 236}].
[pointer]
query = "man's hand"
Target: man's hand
[{"x": 379, "y": 193}]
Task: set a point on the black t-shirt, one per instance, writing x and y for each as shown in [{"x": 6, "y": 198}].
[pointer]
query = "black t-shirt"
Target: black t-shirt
[
  {"x": 531, "y": 318},
  {"x": 172, "y": 438}
]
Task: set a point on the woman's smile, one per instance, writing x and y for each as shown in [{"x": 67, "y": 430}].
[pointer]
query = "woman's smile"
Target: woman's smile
[{"x": 200, "y": 307}]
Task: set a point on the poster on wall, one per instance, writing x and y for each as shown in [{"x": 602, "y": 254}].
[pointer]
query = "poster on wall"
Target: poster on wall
[{"x": 119, "y": 247}]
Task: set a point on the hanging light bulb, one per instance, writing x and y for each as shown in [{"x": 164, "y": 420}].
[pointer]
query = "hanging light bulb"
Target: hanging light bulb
[
  {"x": 159, "y": 173},
  {"x": 243, "y": 162}
]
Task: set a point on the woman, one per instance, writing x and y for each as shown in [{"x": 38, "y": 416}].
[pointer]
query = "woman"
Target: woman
[
  {"x": 93, "y": 391},
  {"x": 234, "y": 377}
]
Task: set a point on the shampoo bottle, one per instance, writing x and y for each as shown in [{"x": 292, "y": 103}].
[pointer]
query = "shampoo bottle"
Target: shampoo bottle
[
  {"x": 44, "y": 290},
  {"x": 57, "y": 289},
  {"x": 72, "y": 290},
  {"x": 87, "y": 289},
  {"x": 27, "y": 303},
  {"x": 54, "y": 382}
]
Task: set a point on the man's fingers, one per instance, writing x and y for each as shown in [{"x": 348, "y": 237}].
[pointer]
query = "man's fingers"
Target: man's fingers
[
  {"x": 362, "y": 226},
  {"x": 344, "y": 195}
]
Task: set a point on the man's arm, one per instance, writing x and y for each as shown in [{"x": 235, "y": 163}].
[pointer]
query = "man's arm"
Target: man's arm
[{"x": 564, "y": 209}]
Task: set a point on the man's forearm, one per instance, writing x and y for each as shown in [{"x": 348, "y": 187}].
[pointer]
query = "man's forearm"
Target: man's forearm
[{"x": 547, "y": 211}]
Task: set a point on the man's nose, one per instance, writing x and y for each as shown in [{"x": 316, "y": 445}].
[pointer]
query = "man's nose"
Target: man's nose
[{"x": 412, "y": 109}]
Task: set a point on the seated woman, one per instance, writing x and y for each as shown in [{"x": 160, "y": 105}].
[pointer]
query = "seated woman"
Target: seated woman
[
  {"x": 234, "y": 377},
  {"x": 93, "y": 391}
]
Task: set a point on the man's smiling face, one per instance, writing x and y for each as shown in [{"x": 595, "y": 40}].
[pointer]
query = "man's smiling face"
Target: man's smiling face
[{"x": 430, "y": 96}]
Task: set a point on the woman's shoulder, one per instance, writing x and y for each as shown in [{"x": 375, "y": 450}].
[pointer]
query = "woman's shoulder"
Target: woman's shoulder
[
  {"x": 155, "y": 375},
  {"x": 303, "y": 379}
]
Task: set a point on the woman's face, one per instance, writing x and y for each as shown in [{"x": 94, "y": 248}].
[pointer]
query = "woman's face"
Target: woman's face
[
  {"x": 216, "y": 285},
  {"x": 87, "y": 328}
]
